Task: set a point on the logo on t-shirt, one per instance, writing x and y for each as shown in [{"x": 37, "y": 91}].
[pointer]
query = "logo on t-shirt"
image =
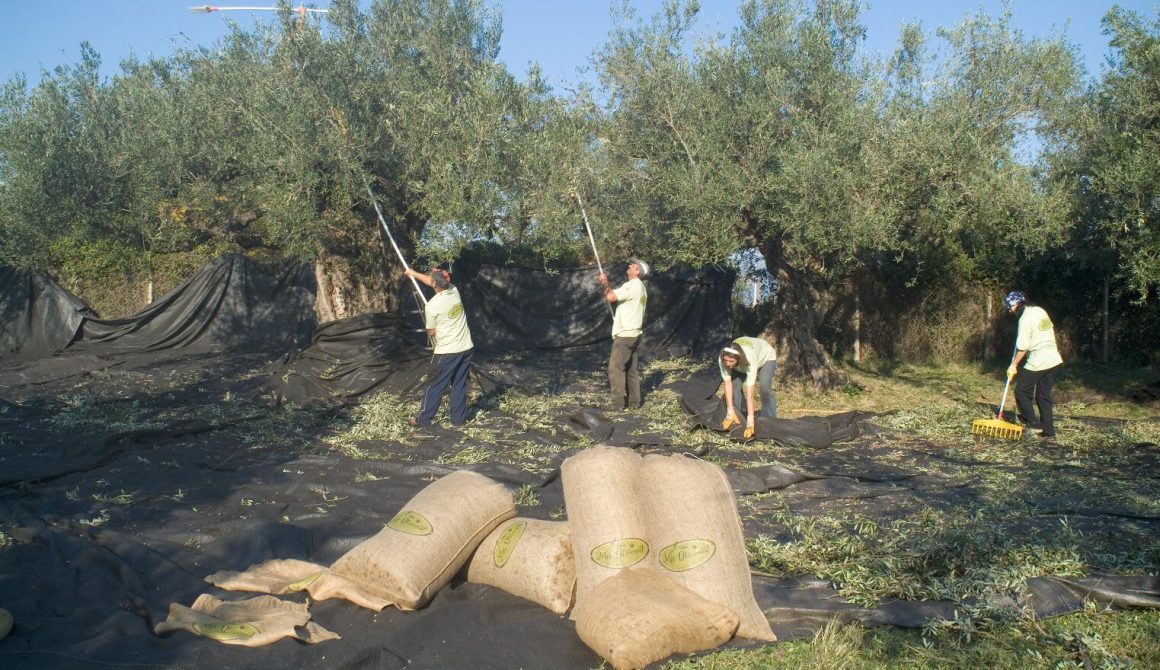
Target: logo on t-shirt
[
  {"x": 455, "y": 310},
  {"x": 1045, "y": 324}
]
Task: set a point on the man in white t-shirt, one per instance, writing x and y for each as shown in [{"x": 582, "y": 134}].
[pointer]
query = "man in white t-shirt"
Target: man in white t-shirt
[
  {"x": 630, "y": 299},
  {"x": 1036, "y": 350},
  {"x": 447, "y": 326}
]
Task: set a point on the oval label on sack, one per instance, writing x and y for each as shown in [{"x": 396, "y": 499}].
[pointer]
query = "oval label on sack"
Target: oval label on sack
[
  {"x": 620, "y": 553},
  {"x": 301, "y": 584},
  {"x": 686, "y": 554},
  {"x": 411, "y": 523},
  {"x": 506, "y": 544},
  {"x": 226, "y": 631}
]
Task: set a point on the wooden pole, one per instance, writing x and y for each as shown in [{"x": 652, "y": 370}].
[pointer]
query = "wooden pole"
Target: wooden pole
[{"x": 857, "y": 327}]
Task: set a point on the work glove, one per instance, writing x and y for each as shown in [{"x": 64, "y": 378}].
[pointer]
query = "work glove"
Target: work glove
[
  {"x": 1011, "y": 370},
  {"x": 749, "y": 430},
  {"x": 730, "y": 421}
]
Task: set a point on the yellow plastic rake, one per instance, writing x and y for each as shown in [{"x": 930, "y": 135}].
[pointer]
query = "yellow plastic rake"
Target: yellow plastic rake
[{"x": 997, "y": 427}]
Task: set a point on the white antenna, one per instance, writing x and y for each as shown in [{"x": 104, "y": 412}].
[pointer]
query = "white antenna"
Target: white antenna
[{"x": 301, "y": 10}]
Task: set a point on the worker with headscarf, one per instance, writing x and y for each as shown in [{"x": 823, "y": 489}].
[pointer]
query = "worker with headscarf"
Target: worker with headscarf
[
  {"x": 1035, "y": 363},
  {"x": 747, "y": 363}
]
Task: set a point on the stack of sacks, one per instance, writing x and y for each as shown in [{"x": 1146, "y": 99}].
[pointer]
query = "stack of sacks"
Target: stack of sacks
[
  {"x": 425, "y": 545},
  {"x": 674, "y": 521},
  {"x": 407, "y": 562},
  {"x": 531, "y": 559}
]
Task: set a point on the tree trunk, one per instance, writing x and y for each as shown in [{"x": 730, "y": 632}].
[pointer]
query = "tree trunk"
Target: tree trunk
[
  {"x": 988, "y": 332},
  {"x": 327, "y": 301},
  {"x": 802, "y": 299},
  {"x": 1104, "y": 324},
  {"x": 344, "y": 293},
  {"x": 857, "y": 325}
]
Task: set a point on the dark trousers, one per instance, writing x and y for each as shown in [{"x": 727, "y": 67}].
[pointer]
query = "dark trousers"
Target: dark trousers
[
  {"x": 446, "y": 370},
  {"x": 1036, "y": 384},
  {"x": 764, "y": 386},
  {"x": 623, "y": 376}
]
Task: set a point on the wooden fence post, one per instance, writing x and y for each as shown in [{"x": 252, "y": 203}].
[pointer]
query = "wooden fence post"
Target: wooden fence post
[{"x": 857, "y": 326}]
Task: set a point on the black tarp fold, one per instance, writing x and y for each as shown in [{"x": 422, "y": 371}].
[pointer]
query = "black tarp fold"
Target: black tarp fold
[
  {"x": 689, "y": 312},
  {"x": 37, "y": 316},
  {"x": 231, "y": 304}
]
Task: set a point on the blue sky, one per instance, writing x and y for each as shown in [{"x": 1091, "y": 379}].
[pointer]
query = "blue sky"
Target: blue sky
[{"x": 559, "y": 34}]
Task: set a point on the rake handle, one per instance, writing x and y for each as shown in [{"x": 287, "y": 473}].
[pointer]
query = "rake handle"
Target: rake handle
[{"x": 1002, "y": 402}]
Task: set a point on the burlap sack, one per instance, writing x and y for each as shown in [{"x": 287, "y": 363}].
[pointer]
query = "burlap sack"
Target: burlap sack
[
  {"x": 697, "y": 537},
  {"x": 248, "y": 623},
  {"x": 291, "y": 576},
  {"x": 424, "y": 545},
  {"x": 608, "y": 527},
  {"x": 639, "y": 617},
  {"x": 528, "y": 558}
]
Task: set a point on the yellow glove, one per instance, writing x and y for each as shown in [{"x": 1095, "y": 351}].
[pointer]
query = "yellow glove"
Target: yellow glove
[
  {"x": 749, "y": 432},
  {"x": 730, "y": 421},
  {"x": 1011, "y": 370}
]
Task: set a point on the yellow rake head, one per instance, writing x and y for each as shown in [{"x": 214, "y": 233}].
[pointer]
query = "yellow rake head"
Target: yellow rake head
[{"x": 997, "y": 428}]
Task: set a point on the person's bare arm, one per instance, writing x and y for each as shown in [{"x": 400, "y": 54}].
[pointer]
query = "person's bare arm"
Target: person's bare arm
[
  {"x": 421, "y": 276},
  {"x": 609, "y": 294}
]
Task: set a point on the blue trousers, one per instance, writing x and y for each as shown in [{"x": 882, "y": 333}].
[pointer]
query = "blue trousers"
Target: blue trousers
[
  {"x": 764, "y": 386},
  {"x": 446, "y": 370}
]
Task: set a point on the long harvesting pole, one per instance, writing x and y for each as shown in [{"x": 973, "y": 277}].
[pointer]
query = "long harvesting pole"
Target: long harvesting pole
[
  {"x": 592, "y": 239},
  {"x": 588, "y": 227},
  {"x": 394, "y": 244}
]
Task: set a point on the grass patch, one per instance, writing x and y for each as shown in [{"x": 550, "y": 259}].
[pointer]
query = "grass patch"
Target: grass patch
[
  {"x": 526, "y": 496},
  {"x": 930, "y": 556},
  {"x": 1080, "y": 641}
]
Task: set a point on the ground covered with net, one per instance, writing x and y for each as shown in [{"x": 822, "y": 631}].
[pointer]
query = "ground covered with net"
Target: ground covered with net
[
  {"x": 127, "y": 479},
  {"x": 221, "y": 428}
]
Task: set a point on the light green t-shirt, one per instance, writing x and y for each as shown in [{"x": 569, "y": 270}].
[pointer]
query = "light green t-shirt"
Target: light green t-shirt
[
  {"x": 631, "y": 300},
  {"x": 757, "y": 352},
  {"x": 1037, "y": 338},
  {"x": 444, "y": 315}
]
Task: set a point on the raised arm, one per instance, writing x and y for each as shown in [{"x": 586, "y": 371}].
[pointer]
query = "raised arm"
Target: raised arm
[
  {"x": 609, "y": 294},
  {"x": 421, "y": 276}
]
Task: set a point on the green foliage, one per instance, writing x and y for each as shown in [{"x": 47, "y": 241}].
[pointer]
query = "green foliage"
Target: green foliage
[
  {"x": 931, "y": 556},
  {"x": 906, "y": 174},
  {"x": 782, "y": 132},
  {"x": 1088, "y": 639},
  {"x": 966, "y": 207},
  {"x": 1111, "y": 161}
]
